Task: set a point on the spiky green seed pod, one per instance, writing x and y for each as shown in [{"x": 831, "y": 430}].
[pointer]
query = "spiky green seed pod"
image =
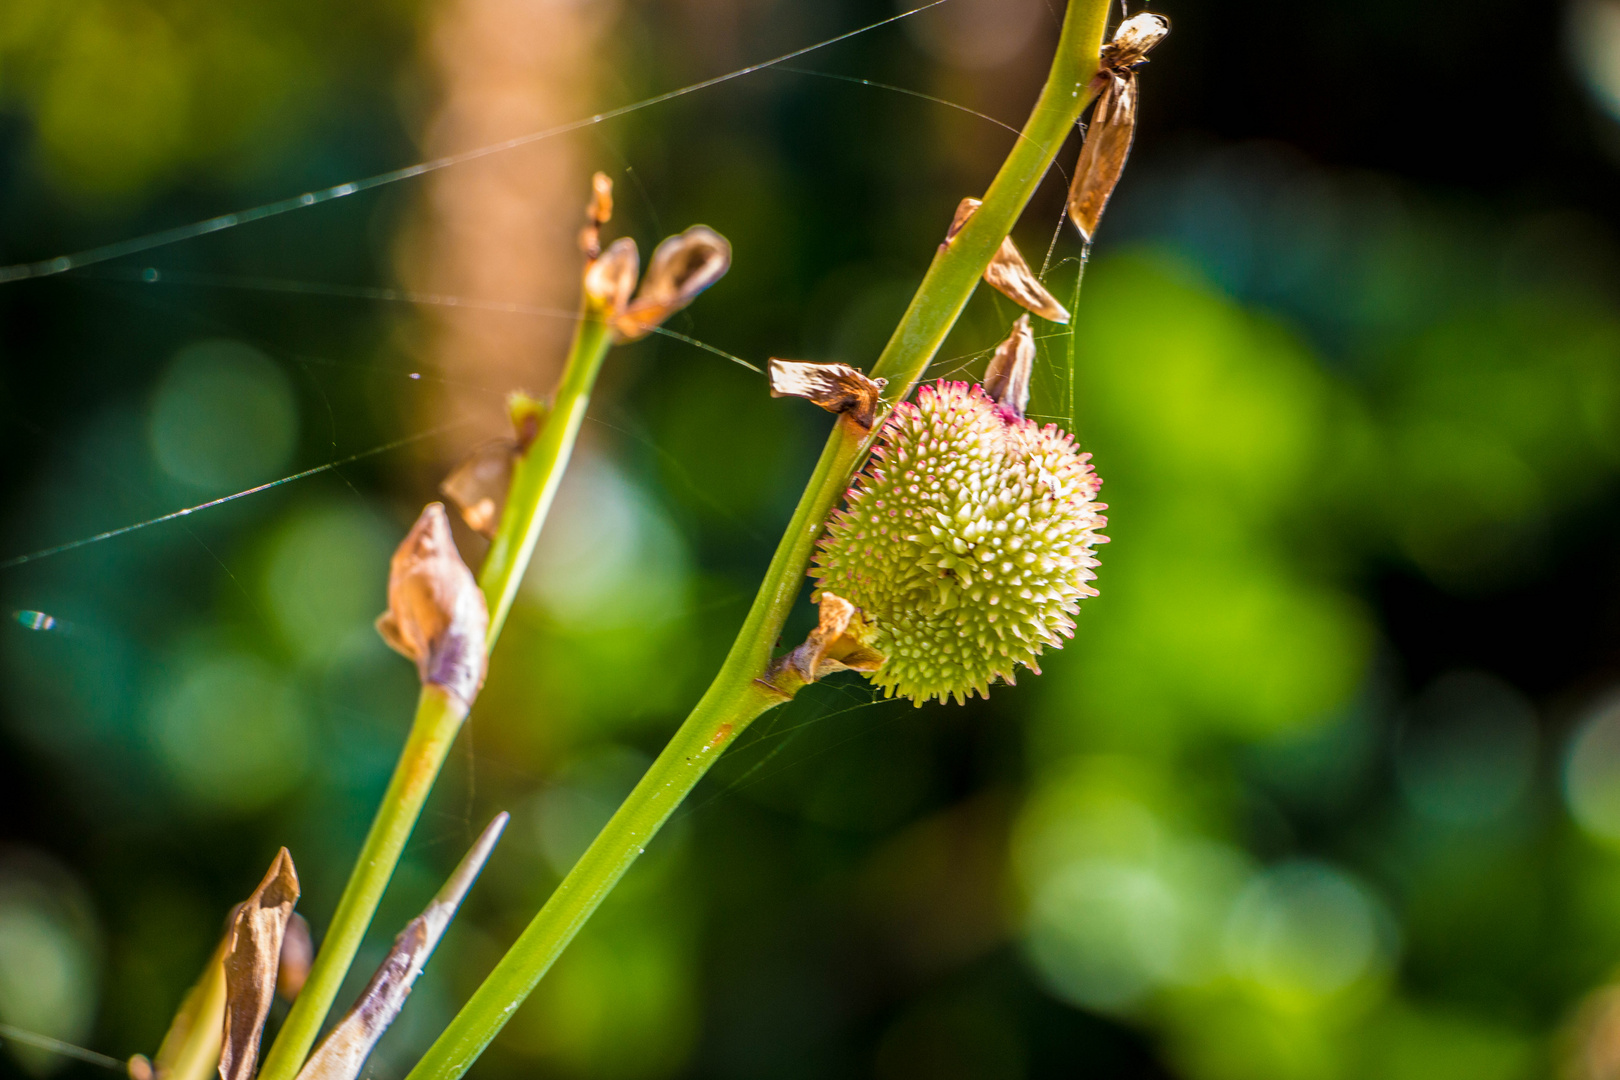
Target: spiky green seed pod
[{"x": 966, "y": 542}]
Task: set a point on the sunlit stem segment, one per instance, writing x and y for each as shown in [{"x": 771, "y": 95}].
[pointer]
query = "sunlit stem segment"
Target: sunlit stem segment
[
  {"x": 736, "y": 697},
  {"x": 540, "y": 469},
  {"x": 438, "y": 715}
]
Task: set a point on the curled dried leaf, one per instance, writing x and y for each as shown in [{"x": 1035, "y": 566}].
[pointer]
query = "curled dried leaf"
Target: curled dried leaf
[
  {"x": 610, "y": 279},
  {"x": 1102, "y": 156},
  {"x": 1006, "y": 380},
  {"x": 838, "y": 643},
  {"x": 436, "y": 613},
  {"x": 1008, "y": 273},
  {"x": 343, "y": 1053},
  {"x": 838, "y": 388},
  {"x": 478, "y": 484},
  {"x": 252, "y": 954},
  {"x": 681, "y": 268},
  {"x": 297, "y": 954}
]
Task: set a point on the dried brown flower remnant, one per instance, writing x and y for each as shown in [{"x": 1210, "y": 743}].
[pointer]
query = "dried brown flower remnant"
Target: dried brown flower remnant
[
  {"x": 838, "y": 388},
  {"x": 1006, "y": 380},
  {"x": 436, "y": 613},
  {"x": 478, "y": 484},
  {"x": 681, "y": 268},
  {"x": 610, "y": 279},
  {"x": 252, "y": 954},
  {"x": 838, "y": 643},
  {"x": 1008, "y": 273},
  {"x": 598, "y": 212},
  {"x": 343, "y": 1053},
  {"x": 1113, "y": 121}
]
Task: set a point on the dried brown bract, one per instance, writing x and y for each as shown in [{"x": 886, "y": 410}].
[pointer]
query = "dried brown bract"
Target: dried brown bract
[
  {"x": 1113, "y": 121},
  {"x": 343, "y": 1053},
  {"x": 1008, "y": 273},
  {"x": 834, "y": 645},
  {"x": 838, "y": 388},
  {"x": 681, "y": 268},
  {"x": 252, "y": 954},
  {"x": 436, "y": 613},
  {"x": 1006, "y": 380}
]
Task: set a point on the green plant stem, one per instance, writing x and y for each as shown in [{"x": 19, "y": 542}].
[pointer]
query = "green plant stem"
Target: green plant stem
[
  {"x": 539, "y": 470},
  {"x": 736, "y": 696},
  {"x": 438, "y": 715}
]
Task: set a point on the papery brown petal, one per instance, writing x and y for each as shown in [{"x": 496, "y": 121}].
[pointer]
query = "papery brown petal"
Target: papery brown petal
[
  {"x": 1011, "y": 276},
  {"x": 838, "y": 388},
  {"x": 342, "y": 1054},
  {"x": 681, "y": 268},
  {"x": 1008, "y": 273},
  {"x": 1134, "y": 39},
  {"x": 1102, "y": 157},
  {"x": 252, "y": 953},
  {"x": 478, "y": 484},
  {"x": 1006, "y": 380},
  {"x": 436, "y": 613},
  {"x": 297, "y": 954},
  {"x": 610, "y": 279}
]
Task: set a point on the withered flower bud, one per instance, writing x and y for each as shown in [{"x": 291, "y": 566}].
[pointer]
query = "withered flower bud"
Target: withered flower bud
[
  {"x": 1133, "y": 40},
  {"x": 436, "y": 613},
  {"x": 611, "y": 279},
  {"x": 681, "y": 268},
  {"x": 1008, "y": 273},
  {"x": 1006, "y": 380},
  {"x": 838, "y": 388},
  {"x": 297, "y": 954},
  {"x": 252, "y": 954}
]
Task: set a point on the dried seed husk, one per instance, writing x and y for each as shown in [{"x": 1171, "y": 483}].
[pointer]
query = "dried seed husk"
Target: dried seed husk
[
  {"x": 1008, "y": 272},
  {"x": 252, "y": 955},
  {"x": 436, "y": 613},
  {"x": 1006, "y": 380},
  {"x": 838, "y": 388},
  {"x": 1102, "y": 156},
  {"x": 343, "y": 1053},
  {"x": 681, "y": 268}
]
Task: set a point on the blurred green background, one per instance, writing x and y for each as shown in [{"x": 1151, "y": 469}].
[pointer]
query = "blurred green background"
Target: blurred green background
[{"x": 1327, "y": 785}]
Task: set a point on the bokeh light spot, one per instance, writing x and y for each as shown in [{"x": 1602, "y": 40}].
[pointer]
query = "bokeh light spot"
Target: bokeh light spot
[
  {"x": 224, "y": 417},
  {"x": 1592, "y": 772},
  {"x": 232, "y": 734},
  {"x": 1304, "y": 931},
  {"x": 327, "y": 578},
  {"x": 1468, "y": 753}
]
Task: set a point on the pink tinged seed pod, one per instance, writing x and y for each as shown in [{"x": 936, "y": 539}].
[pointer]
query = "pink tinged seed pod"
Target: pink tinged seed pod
[
  {"x": 436, "y": 613},
  {"x": 997, "y": 550}
]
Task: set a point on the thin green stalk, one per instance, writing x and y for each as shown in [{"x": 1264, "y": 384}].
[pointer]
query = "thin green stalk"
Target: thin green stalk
[
  {"x": 439, "y": 715},
  {"x": 736, "y": 696}
]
